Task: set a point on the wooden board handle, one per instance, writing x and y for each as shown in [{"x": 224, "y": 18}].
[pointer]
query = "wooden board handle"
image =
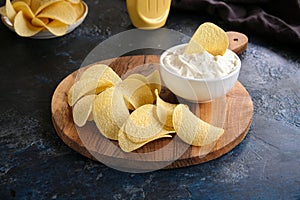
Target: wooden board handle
[{"x": 238, "y": 42}]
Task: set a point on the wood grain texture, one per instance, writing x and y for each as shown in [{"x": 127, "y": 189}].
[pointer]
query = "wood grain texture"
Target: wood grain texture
[
  {"x": 233, "y": 112},
  {"x": 238, "y": 42}
]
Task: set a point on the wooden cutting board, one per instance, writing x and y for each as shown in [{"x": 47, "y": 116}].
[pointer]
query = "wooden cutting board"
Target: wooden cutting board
[{"x": 233, "y": 112}]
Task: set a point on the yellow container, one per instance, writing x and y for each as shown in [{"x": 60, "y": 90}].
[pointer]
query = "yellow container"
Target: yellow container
[{"x": 148, "y": 14}]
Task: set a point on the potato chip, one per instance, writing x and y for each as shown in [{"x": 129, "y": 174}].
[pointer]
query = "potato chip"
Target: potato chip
[
  {"x": 95, "y": 71},
  {"x": 79, "y": 9},
  {"x": 39, "y": 21},
  {"x": 110, "y": 112},
  {"x": 194, "y": 47},
  {"x": 209, "y": 37},
  {"x": 138, "y": 77},
  {"x": 81, "y": 88},
  {"x": 3, "y": 11},
  {"x": 28, "y": 2},
  {"x": 136, "y": 93},
  {"x": 169, "y": 128},
  {"x": 192, "y": 129},
  {"x": 23, "y": 27},
  {"x": 62, "y": 11},
  {"x": 55, "y": 27},
  {"x": 101, "y": 71},
  {"x": 164, "y": 111},
  {"x": 38, "y": 5},
  {"x": 103, "y": 84},
  {"x": 85, "y": 87},
  {"x": 111, "y": 75},
  {"x": 143, "y": 124},
  {"x": 83, "y": 109},
  {"x": 22, "y": 6},
  {"x": 74, "y": 1},
  {"x": 127, "y": 145},
  {"x": 154, "y": 81},
  {"x": 10, "y": 11}
]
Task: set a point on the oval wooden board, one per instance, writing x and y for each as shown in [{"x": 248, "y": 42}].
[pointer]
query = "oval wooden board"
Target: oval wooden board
[{"x": 233, "y": 113}]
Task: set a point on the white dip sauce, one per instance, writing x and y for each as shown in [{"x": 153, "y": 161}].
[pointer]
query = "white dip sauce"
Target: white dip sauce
[{"x": 200, "y": 66}]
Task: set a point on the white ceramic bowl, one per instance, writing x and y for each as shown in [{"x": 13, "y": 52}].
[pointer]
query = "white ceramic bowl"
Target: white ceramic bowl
[
  {"x": 45, "y": 34},
  {"x": 197, "y": 90}
]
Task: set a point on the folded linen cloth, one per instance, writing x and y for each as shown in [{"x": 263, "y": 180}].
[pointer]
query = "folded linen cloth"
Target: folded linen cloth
[{"x": 276, "y": 19}]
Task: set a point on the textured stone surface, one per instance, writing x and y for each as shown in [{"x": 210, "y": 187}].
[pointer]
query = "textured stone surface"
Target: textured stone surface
[{"x": 36, "y": 164}]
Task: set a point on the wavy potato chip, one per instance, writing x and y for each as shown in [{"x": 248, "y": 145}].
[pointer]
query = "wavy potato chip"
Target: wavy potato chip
[
  {"x": 110, "y": 112},
  {"x": 39, "y": 21},
  {"x": 103, "y": 84},
  {"x": 3, "y": 11},
  {"x": 79, "y": 9},
  {"x": 154, "y": 81},
  {"x": 22, "y": 6},
  {"x": 62, "y": 11},
  {"x": 138, "y": 77},
  {"x": 127, "y": 145},
  {"x": 194, "y": 47},
  {"x": 28, "y": 2},
  {"x": 74, "y": 1},
  {"x": 164, "y": 111},
  {"x": 143, "y": 124},
  {"x": 136, "y": 93},
  {"x": 192, "y": 129},
  {"x": 55, "y": 27},
  {"x": 38, "y": 5},
  {"x": 81, "y": 88},
  {"x": 101, "y": 71},
  {"x": 95, "y": 71},
  {"x": 110, "y": 74},
  {"x": 10, "y": 11},
  {"x": 82, "y": 110},
  {"x": 85, "y": 87},
  {"x": 23, "y": 27},
  {"x": 209, "y": 37}
]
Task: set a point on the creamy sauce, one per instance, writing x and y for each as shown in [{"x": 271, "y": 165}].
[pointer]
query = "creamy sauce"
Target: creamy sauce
[{"x": 200, "y": 66}]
